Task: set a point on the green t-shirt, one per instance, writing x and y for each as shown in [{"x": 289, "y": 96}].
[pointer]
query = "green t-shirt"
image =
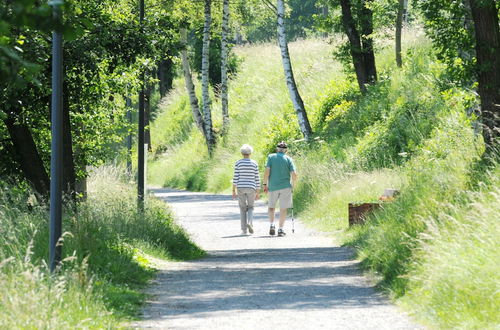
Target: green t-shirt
[{"x": 280, "y": 167}]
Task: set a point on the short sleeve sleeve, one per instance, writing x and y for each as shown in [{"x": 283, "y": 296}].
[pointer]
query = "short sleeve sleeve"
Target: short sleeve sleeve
[{"x": 268, "y": 162}]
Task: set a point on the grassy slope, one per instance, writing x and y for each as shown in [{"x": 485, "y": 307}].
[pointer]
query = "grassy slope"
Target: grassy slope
[
  {"x": 106, "y": 246},
  {"x": 409, "y": 131},
  {"x": 258, "y": 98}
]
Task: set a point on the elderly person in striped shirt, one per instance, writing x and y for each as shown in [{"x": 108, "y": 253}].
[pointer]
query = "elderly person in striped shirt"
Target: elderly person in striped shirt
[{"x": 246, "y": 185}]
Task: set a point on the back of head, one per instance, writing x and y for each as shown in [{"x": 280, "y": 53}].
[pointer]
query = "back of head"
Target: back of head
[
  {"x": 246, "y": 149},
  {"x": 281, "y": 146}
]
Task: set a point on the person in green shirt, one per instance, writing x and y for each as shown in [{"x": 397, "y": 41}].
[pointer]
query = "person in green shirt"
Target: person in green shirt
[{"x": 279, "y": 179}]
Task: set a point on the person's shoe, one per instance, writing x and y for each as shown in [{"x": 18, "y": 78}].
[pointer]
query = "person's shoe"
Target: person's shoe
[
  {"x": 243, "y": 232},
  {"x": 250, "y": 228},
  {"x": 281, "y": 232},
  {"x": 272, "y": 231}
]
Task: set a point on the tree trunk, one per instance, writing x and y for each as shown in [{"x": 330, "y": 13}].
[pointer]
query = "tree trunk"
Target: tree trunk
[
  {"x": 128, "y": 104},
  {"x": 298, "y": 104},
  {"x": 485, "y": 15},
  {"x": 205, "y": 63},
  {"x": 165, "y": 75},
  {"x": 147, "y": 111},
  {"x": 354, "y": 44},
  {"x": 405, "y": 11},
  {"x": 193, "y": 100},
  {"x": 224, "y": 58},
  {"x": 366, "y": 21},
  {"x": 69, "y": 176},
  {"x": 27, "y": 155},
  {"x": 399, "y": 28}
]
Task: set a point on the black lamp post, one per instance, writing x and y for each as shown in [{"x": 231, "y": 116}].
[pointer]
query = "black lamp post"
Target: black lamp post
[
  {"x": 141, "y": 184},
  {"x": 56, "y": 159}
]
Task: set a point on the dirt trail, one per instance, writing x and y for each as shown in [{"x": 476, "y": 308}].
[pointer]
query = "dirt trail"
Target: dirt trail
[{"x": 301, "y": 281}]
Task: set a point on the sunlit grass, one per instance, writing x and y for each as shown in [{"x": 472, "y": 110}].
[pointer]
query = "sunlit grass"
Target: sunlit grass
[
  {"x": 456, "y": 280},
  {"x": 106, "y": 243}
]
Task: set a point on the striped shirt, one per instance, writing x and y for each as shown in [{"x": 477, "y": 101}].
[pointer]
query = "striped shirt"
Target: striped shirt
[{"x": 246, "y": 174}]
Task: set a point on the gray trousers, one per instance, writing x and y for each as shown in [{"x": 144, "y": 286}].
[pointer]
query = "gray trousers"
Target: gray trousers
[{"x": 246, "y": 199}]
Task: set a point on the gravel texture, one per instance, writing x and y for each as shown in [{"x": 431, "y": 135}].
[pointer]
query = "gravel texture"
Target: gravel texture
[{"x": 301, "y": 281}]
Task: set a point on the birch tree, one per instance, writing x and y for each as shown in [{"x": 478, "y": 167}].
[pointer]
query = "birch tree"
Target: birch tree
[
  {"x": 298, "y": 104},
  {"x": 188, "y": 79},
  {"x": 207, "y": 112},
  {"x": 224, "y": 59}
]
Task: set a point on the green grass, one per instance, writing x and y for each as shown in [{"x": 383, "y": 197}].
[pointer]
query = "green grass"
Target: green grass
[
  {"x": 106, "y": 247},
  {"x": 258, "y": 101},
  {"x": 434, "y": 248},
  {"x": 455, "y": 282}
]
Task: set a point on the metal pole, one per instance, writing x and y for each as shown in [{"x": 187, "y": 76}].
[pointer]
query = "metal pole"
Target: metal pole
[
  {"x": 140, "y": 147},
  {"x": 56, "y": 160}
]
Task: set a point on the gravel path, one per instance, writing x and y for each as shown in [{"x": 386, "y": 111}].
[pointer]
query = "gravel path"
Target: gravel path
[{"x": 301, "y": 281}]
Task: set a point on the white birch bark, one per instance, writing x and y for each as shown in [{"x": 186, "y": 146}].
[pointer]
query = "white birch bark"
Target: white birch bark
[
  {"x": 224, "y": 60},
  {"x": 193, "y": 100},
  {"x": 298, "y": 104},
  {"x": 207, "y": 112}
]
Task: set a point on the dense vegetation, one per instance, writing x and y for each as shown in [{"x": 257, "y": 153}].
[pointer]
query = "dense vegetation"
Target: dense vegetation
[
  {"x": 107, "y": 246},
  {"x": 413, "y": 130}
]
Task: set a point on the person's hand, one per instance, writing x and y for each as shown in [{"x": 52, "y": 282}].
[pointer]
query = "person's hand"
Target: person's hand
[
  {"x": 257, "y": 195},
  {"x": 266, "y": 190},
  {"x": 234, "y": 195}
]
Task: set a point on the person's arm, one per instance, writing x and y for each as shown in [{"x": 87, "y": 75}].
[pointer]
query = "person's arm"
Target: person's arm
[
  {"x": 257, "y": 182},
  {"x": 265, "y": 181},
  {"x": 294, "y": 179},
  {"x": 236, "y": 176}
]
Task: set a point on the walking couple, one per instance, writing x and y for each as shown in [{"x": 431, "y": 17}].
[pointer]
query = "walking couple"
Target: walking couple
[{"x": 279, "y": 179}]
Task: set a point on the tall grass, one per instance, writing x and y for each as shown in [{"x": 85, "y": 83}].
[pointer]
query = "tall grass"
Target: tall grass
[
  {"x": 105, "y": 249},
  {"x": 455, "y": 281}
]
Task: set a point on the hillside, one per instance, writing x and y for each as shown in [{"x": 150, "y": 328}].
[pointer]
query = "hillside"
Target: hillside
[{"x": 410, "y": 131}]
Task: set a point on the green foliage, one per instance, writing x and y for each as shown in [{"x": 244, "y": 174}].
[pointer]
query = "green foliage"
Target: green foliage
[
  {"x": 257, "y": 19},
  {"x": 449, "y": 24},
  {"x": 105, "y": 50},
  {"x": 105, "y": 262},
  {"x": 214, "y": 55}
]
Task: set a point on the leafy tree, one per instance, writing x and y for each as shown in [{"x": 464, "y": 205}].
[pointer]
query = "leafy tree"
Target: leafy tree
[
  {"x": 487, "y": 33},
  {"x": 466, "y": 37},
  {"x": 104, "y": 51},
  {"x": 354, "y": 18},
  {"x": 449, "y": 25}
]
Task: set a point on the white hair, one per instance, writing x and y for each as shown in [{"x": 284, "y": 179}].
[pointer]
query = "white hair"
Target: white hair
[{"x": 246, "y": 149}]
